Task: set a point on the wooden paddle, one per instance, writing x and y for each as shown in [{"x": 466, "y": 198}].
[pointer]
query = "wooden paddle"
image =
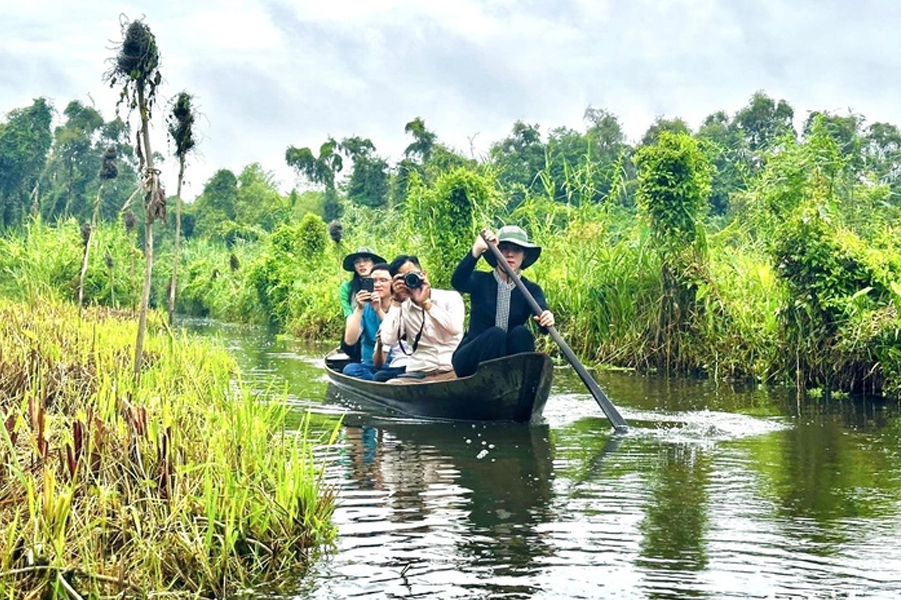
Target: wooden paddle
[{"x": 616, "y": 419}]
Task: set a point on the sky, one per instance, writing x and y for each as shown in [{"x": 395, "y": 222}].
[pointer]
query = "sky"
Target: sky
[{"x": 269, "y": 74}]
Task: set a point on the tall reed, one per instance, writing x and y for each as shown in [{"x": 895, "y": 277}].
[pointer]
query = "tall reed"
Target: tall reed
[{"x": 184, "y": 483}]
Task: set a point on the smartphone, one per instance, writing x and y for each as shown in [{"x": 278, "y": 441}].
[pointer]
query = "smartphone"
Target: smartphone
[{"x": 366, "y": 284}]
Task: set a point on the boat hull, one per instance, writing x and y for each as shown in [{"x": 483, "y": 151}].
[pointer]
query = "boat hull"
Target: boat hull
[{"x": 510, "y": 389}]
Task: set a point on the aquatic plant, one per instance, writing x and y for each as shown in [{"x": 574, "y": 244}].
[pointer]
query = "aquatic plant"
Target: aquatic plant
[{"x": 184, "y": 483}]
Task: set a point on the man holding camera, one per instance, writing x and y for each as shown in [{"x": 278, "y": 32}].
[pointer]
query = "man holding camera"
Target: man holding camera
[{"x": 427, "y": 323}]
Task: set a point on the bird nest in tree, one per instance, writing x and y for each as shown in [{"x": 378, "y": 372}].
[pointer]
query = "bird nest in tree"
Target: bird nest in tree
[
  {"x": 138, "y": 56},
  {"x": 129, "y": 220},
  {"x": 137, "y": 64},
  {"x": 335, "y": 231},
  {"x": 108, "y": 169},
  {"x": 181, "y": 123}
]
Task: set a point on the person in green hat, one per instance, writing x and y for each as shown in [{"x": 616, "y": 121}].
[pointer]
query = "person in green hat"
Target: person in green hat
[
  {"x": 359, "y": 263},
  {"x": 498, "y": 310}
]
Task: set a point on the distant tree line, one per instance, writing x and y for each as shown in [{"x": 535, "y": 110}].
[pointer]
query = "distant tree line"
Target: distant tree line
[{"x": 55, "y": 172}]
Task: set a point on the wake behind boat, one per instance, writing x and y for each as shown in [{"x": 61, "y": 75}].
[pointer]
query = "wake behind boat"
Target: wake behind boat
[{"x": 510, "y": 389}]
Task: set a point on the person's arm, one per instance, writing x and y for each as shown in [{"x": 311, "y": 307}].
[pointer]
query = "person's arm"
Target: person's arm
[
  {"x": 388, "y": 330},
  {"x": 379, "y": 354},
  {"x": 448, "y": 314},
  {"x": 344, "y": 296},
  {"x": 546, "y": 318},
  {"x": 442, "y": 313},
  {"x": 462, "y": 280},
  {"x": 380, "y": 306},
  {"x": 353, "y": 326}
]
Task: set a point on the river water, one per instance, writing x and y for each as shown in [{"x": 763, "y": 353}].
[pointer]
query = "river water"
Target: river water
[{"x": 715, "y": 492}]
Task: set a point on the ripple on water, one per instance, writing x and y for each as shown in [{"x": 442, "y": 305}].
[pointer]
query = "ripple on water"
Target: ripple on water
[
  {"x": 704, "y": 426},
  {"x": 688, "y": 504}
]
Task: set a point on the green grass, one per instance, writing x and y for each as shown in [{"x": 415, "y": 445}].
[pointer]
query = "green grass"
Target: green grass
[{"x": 184, "y": 483}]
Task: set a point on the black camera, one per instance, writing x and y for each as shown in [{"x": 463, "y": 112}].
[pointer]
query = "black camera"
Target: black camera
[
  {"x": 366, "y": 284},
  {"x": 413, "y": 280}
]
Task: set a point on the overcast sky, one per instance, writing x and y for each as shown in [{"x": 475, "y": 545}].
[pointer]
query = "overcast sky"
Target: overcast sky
[{"x": 272, "y": 73}]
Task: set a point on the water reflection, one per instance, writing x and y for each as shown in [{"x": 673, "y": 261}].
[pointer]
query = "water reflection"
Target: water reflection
[
  {"x": 365, "y": 456},
  {"x": 510, "y": 484},
  {"x": 674, "y": 528},
  {"x": 477, "y": 496},
  {"x": 825, "y": 480},
  {"x": 717, "y": 492}
]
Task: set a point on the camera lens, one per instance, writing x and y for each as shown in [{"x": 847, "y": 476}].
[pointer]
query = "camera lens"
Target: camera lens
[{"x": 413, "y": 280}]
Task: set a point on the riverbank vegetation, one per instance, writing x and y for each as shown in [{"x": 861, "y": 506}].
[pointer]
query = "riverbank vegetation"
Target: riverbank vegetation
[
  {"x": 183, "y": 483},
  {"x": 769, "y": 257},
  {"x": 744, "y": 249}
]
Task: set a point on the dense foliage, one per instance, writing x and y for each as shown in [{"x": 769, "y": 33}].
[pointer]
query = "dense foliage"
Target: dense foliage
[
  {"x": 183, "y": 482},
  {"x": 745, "y": 249}
]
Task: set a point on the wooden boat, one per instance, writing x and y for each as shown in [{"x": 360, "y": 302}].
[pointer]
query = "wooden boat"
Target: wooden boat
[{"x": 513, "y": 389}]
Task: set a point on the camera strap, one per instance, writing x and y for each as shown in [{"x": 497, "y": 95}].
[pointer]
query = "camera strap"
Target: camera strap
[{"x": 416, "y": 339}]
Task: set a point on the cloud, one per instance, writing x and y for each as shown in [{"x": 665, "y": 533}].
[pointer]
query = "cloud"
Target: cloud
[{"x": 272, "y": 73}]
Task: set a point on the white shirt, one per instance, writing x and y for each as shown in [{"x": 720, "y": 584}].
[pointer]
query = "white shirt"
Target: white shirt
[
  {"x": 398, "y": 358},
  {"x": 442, "y": 330}
]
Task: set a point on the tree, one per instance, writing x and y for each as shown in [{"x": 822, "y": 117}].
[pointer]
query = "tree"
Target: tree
[
  {"x": 423, "y": 158},
  {"x": 570, "y": 166},
  {"x": 356, "y": 147},
  {"x": 368, "y": 184},
  {"x": 613, "y": 172},
  {"x": 70, "y": 176},
  {"x": 605, "y": 134},
  {"x": 259, "y": 203},
  {"x": 661, "y": 124},
  {"x": 423, "y": 141},
  {"x": 181, "y": 131},
  {"x": 847, "y": 131},
  {"x": 727, "y": 151},
  {"x": 764, "y": 121},
  {"x": 443, "y": 218},
  {"x": 444, "y": 160},
  {"x": 519, "y": 158},
  {"x": 25, "y": 140},
  {"x": 74, "y": 163},
  {"x": 320, "y": 170},
  {"x": 108, "y": 171},
  {"x": 673, "y": 190},
  {"x": 136, "y": 64},
  {"x": 217, "y": 202},
  {"x": 116, "y": 192},
  {"x": 405, "y": 171},
  {"x": 882, "y": 153}
]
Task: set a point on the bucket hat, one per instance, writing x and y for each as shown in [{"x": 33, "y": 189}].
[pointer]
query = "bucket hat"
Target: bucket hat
[
  {"x": 362, "y": 252},
  {"x": 512, "y": 234}
]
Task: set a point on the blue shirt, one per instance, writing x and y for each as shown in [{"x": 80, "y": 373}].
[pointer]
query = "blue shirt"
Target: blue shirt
[{"x": 370, "y": 323}]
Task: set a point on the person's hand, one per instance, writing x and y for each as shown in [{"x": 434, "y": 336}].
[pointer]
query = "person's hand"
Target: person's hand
[
  {"x": 545, "y": 319},
  {"x": 399, "y": 290},
  {"x": 421, "y": 294},
  {"x": 363, "y": 297},
  {"x": 479, "y": 246},
  {"x": 376, "y": 299}
]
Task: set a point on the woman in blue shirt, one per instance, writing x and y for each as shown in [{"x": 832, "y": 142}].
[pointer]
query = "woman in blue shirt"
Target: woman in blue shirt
[
  {"x": 359, "y": 263},
  {"x": 362, "y": 325}
]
